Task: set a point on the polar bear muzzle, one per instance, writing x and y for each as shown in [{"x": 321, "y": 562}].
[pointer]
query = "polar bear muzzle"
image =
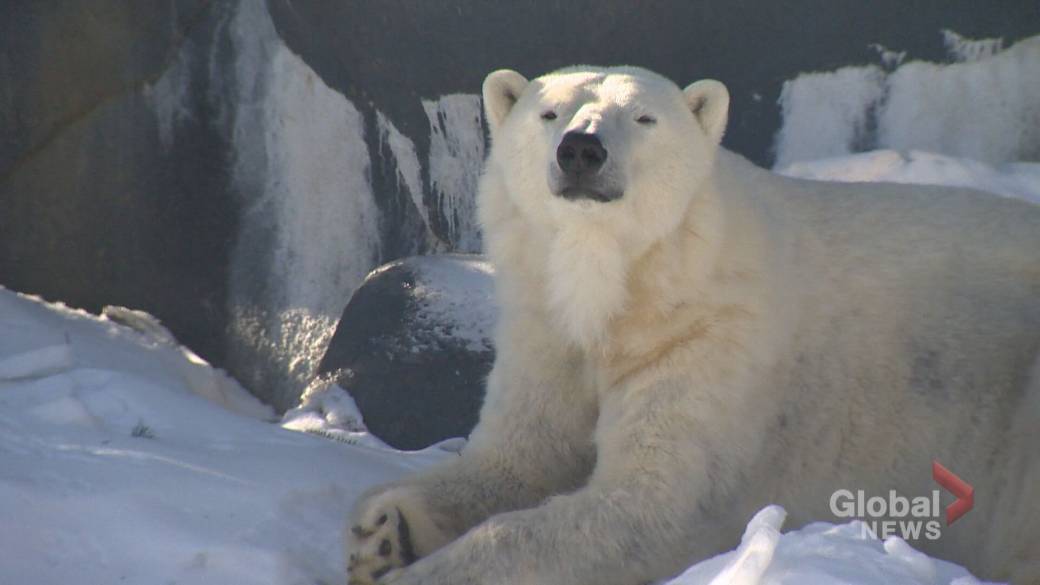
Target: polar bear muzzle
[{"x": 578, "y": 174}]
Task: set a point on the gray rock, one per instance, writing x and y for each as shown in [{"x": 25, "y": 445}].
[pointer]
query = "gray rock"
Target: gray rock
[{"x": 414, "y": 348}]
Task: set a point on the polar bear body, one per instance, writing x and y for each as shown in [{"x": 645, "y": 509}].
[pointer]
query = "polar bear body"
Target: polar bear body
[{"x": 685, "y": 338}]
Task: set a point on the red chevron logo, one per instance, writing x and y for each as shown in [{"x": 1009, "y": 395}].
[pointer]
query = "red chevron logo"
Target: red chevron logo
[{"x": 964, "y": 492}]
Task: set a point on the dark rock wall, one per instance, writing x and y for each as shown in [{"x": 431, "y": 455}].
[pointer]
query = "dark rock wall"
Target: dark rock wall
[
  {"x": 398, "y": 51},
  {"x": 95, "y": 208},
  {"x": 236, "y": 166}
]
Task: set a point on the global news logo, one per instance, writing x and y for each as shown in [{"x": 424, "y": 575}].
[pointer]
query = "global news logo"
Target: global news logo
[{"x": 909, "y": 518}]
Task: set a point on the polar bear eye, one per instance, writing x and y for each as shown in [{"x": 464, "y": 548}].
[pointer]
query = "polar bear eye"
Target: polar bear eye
[
  {"x": 646, "y": 120},
  {"x": 548, "y": 115}
]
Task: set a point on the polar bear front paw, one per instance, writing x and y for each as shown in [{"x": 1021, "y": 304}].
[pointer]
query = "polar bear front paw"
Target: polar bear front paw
[{"x": 379, "y": 542}]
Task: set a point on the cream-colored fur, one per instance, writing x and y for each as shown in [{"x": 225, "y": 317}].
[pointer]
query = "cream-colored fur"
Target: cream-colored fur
[{"x": 718, "y": 339}]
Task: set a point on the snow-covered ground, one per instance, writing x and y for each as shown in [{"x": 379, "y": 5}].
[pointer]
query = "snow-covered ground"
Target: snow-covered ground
[
  {"x": 1020, "y": 180},
  {"x": 125, "y": 458}
]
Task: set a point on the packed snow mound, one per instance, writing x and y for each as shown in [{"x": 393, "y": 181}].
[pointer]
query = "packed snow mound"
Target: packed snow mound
[
  {"x": 328, "y": 410},
  {"x": 820, "y": 554},
  {"x": 38, "y": 340},
  {"x": 127, "y": 459},
  {"x": 1020, "y": 180}
]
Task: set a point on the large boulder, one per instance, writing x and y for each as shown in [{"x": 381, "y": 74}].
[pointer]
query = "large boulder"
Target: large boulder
[{"x": 414, "y": 349}]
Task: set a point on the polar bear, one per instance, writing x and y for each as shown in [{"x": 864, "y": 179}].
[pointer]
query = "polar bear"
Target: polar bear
[{"x": 684, "y": 338}]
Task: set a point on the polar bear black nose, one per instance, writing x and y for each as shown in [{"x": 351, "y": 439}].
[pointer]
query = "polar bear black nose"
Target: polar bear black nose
[{"x": 580, "y": 153}]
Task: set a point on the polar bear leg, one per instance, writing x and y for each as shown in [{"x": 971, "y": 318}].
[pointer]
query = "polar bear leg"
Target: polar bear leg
[
  {"x": 533, "y": 440},
  {"x": 639, "y": 518},
  {"x": 1014, "y": 552}
]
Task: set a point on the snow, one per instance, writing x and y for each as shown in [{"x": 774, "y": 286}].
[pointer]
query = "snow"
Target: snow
[
  {"x": 328, "y": 410},
  {"x": 1020, "y": 180},
  {"x": 985, "y": 106},
  {"x": 37, "y": 362},
  {"x": 127, "y": 459},
  {"x": 456, "y": 290},
  {"x": 820, "y": 554}
]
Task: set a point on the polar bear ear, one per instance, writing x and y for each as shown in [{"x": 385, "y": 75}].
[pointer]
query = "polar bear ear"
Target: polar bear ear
[
  {"x": 502, "y": 89},
  {"x": 709, "y": 101}
]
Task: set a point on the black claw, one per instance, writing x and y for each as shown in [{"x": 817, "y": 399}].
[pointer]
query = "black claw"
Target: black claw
[
  {"x": 380, "y": 572},
  {"x": 384, "y": 548},
  {"x": 408, "y": 555},
  {"x": 360, "y": 532}
]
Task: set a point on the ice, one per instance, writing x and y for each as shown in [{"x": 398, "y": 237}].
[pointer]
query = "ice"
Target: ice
[
  {"x": 456, "y": 160},
  {"x": 169, "y": 97},
  {"x": 409, "y": 172},
  {"x": 964, "y": 49},
  {"x": 985, "y": 107},
  {"x": 831, "y": 108},
  {"x": 889, "y": 57},
  {"x": 309, "y": 229},
  {"x": 309, "y": 232}
]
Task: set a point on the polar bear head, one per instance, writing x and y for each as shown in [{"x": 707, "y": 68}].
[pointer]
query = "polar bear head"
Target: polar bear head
[
  {"x": 602, "y": 164},
  {"x": 620, "y": 146}
]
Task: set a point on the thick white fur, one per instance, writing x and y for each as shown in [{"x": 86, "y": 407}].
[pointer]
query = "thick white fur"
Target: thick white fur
[{"x": 721, "y": 338}]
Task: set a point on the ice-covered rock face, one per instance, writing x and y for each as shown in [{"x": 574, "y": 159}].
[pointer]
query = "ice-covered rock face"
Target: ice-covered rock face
[
  {"x": 216, "y": 179},
  {"x": 984, "y": 106},
  {"x": 310, "y": 228},
  {"x": 312, "y": 224}
]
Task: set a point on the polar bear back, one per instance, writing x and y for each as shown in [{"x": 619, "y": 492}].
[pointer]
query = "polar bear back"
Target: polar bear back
[{"x": 912, "y": 329}]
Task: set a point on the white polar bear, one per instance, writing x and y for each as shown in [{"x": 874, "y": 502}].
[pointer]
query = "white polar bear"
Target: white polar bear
[{"x": 685, "y": 337}]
